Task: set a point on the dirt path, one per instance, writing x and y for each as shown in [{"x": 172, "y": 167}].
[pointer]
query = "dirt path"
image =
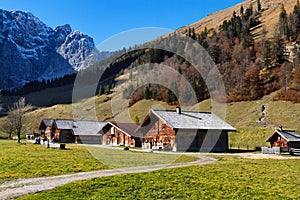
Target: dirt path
[{"x": 23, "y": 187}]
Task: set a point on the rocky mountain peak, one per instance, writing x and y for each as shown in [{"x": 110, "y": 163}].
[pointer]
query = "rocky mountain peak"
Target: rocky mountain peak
[
  {"x": 30, "y": 50},
  {"x": 61, "y": 32},
  {"x": 69, "y": 49}
]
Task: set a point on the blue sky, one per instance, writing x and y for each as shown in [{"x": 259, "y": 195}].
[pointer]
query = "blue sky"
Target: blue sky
[{"x": 102, "y": 19}]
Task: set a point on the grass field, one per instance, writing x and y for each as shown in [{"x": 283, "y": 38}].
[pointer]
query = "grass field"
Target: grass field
[
  {"x": 117, "y": 158},
  {"x": 230, "y": 178},
  {"x": 30, "y": 160}
]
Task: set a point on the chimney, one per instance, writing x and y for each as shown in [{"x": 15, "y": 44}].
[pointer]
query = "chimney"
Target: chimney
[{"x": 178, "y": 110}]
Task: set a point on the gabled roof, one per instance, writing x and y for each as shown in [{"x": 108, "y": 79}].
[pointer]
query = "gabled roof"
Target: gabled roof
[
  {"x": 83, "y": 127},
  {"x": 192, "y": 120},
  {"x": 80, "y": 127},
  {"x": 47, "y": 122},
  {"x": 65, "y": 124},
  {"x": 127, "y": 128},
  {"x": 289, "y": 136}
]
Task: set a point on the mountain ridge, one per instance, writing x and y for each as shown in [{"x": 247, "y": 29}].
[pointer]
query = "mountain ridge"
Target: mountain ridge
[
  {"x": 30, "y": 50},
  {"x": 269, "y": 16}
]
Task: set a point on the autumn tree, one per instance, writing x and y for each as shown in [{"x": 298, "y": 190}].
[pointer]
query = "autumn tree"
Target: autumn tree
[
  {"x": 277, "y": 49},
  {"x": 252, "y": 81}
]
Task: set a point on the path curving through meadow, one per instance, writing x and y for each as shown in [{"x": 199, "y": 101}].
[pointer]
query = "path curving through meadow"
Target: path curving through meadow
[{"x": 26, "y": 186}]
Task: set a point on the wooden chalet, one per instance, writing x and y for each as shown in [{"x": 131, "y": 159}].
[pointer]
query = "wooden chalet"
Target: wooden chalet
[
  {"x": 185, "y": 131},
  {"x": 121, "y": 134},
  {"x": 46, "y": 128},
  {"x": 284, "y": 140},
  {"x": 71, "y": 131},
  {"x": 63, "y": 131}
]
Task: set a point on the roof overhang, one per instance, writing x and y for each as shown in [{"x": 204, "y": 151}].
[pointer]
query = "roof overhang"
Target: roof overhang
[
  {"x": 116, "y": 126},
  {"x": 276, "y": 132}
]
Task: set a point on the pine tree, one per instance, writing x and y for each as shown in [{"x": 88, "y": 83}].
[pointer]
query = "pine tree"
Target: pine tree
[
  {"x": 234, "y": 14},
  {"x": 107, "y": 89},
  {"x": 179, "y": 70},
  {"x": 147, "y": 93},
  {"x": 189, "y": 32},
  {"x": 258, "y": 5},
  {"x": 242, "y": 10},
  {"x": 170, "y": 96},
  {"x": 283, "y": 14},
  {"x": 283, "y": 23},
  {"x": 100, "y": 90},
  {"x": 296, "y": 12}
]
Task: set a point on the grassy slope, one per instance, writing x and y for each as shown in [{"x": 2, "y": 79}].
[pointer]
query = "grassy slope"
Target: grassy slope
[
  {"x": 242, "y": 115},
  {"x": 231, "y": 178},
  {"x": 269, "y": 17}
]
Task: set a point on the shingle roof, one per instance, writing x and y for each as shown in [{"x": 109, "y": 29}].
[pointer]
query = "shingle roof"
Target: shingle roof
[
  {"x": 87, "y": 127},
  {"x": 64, "y": 124},
  {"x": 192, "y": 120},
  {"x": 290, "y": 136},
  {"x": 80, "y": 127}
]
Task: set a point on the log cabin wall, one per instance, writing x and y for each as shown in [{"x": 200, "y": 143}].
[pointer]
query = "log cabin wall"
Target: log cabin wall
[
  {"x": 64, "y": 136},
  {"x": 116, "y": 137},
  {"x": 161, "y": 134},
  {"x": 280, "y": 142}
]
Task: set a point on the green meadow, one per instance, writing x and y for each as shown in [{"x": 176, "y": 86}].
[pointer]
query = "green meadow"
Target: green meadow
[
  {"x": 230, "y": 178},
  {"x": 30, "y": 160}
]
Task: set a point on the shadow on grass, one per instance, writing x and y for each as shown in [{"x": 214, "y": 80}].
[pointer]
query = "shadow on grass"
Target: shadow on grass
[{"x": 242, "y": 151}]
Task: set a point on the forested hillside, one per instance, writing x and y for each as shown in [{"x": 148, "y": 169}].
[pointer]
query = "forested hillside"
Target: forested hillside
[{"x": 252, "y": 64}]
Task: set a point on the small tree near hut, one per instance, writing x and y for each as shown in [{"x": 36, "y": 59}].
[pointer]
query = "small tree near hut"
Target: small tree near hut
[{"x": 16, "y": 116}]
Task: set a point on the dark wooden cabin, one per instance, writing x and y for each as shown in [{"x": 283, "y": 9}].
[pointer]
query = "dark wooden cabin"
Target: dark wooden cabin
[
  {"x": 72, "y": 131},
  {"x": 287, "y": 140},
  {"x": 185, "y": 131},
  {"x": 62, "y": 130},
  {"x": 46, "y": 128}
]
